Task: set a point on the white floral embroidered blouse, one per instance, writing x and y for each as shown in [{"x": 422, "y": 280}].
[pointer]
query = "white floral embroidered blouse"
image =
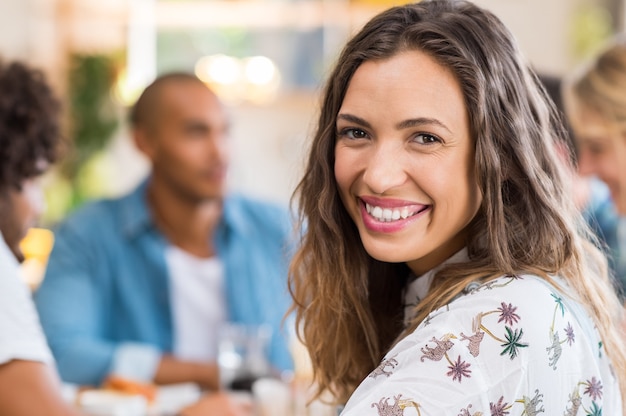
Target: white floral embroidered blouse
[{"x": 512, "y": 346}]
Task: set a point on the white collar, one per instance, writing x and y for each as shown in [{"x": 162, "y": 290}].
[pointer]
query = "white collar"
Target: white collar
[{"x": 418, "y": 287}]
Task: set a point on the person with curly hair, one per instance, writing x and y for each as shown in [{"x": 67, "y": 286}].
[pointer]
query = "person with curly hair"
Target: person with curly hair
[
  {"x": 29, "y": 131},
  {"x": 29, "y": 134},
  {"x": 444, "y": 268}
]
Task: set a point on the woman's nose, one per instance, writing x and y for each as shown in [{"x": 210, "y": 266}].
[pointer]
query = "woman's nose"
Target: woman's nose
[{"x": 385, "y": 169}]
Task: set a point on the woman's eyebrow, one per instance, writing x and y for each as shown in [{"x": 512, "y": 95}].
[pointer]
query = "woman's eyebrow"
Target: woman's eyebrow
[
  {"x": 354, "y": 119},
  {"x": 420, "y": 121}
]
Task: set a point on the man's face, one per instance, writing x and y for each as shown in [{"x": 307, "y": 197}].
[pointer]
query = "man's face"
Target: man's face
[
  {"x": 19, "y": 210},
  {"x": 188, "y": 142}
]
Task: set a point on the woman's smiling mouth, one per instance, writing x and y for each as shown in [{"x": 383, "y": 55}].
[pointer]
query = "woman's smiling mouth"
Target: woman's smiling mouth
[
  {"x": 386, "y": 215},
  {"x": 393, "y": 214}
]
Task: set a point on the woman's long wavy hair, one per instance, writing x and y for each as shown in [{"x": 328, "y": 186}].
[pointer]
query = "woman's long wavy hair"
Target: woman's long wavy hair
[{"x": 348, "y": 305}]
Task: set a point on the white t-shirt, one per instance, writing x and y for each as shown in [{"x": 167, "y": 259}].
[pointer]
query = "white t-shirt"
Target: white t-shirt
[
  {"x": 514, "y": 345},
  {"x": 21, "y": 336},
  {"x": 198, "y": 304}
]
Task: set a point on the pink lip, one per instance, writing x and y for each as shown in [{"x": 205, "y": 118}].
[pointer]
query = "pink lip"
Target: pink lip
[{"x": 394, "y": 226}]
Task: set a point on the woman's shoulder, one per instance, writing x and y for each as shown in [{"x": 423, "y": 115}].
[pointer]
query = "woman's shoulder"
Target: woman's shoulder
[
  {"x": 515, "y": 285},
  {"x": 515, "y": 343},
  {"x": 522, "y": 306},
  {"x": 508, "y": 293}
]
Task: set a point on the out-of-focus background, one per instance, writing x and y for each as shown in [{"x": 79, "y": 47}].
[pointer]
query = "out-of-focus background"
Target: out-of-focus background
[{"x": 266, "y": 58}]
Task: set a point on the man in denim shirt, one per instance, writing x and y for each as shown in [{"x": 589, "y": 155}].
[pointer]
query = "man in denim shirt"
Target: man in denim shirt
[{"x": 138, "y": 286}]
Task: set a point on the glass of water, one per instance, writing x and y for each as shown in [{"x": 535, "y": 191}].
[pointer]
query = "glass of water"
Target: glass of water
[{"x": 242, "y": 355}]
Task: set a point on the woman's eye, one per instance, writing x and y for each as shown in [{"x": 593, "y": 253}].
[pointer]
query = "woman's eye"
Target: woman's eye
[
  {"x": 425, "y": 138},
  {"x": 353, "y": 133}
]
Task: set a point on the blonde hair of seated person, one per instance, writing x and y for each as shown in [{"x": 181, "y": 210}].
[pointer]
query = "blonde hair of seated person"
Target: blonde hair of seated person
[{"x": 595, "y": 103}]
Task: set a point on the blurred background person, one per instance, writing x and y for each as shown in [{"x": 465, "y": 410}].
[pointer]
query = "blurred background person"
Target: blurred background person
[
  {"x": 138, "y": 287},
  {"x": 590, "y": 194},
  {"x": 29, "y": 133},
  {"x": 595, "y": 103}
]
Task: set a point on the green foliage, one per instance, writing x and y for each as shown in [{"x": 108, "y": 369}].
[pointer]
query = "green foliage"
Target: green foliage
[
  {"x": 93, "y": 119},
  {"x": 93, "y": 114}
]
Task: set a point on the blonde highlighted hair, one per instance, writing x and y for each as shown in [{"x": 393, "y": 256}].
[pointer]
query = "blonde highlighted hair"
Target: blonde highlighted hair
[{"x": 600, "y": 85}]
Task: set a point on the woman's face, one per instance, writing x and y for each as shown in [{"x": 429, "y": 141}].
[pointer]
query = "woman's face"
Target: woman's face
[
  {"x": 601, "y": 152},
  {"x": 404, "y": 160}
]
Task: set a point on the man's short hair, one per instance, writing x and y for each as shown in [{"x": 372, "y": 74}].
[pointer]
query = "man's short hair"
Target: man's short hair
[
  {"x": 143, "y": 112},
  {"x": 29, "y": 123}
]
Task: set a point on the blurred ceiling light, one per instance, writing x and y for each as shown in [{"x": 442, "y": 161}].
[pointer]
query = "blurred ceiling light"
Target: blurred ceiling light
[
  {"x": 259, "y": 70},
  {"x": 220, "y": 69},
  {"x": 255, "y": 79}
]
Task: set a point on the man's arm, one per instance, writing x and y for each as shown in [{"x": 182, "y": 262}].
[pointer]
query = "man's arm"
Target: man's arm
[
  {"x": 172, "y": 370},
  {"x": 31, "y": 388}
]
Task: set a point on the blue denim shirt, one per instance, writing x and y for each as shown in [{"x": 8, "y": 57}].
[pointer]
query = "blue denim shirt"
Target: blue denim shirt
[{"x": 104, "y": 302}]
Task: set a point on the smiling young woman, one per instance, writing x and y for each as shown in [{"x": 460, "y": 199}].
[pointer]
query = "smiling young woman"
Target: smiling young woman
[
  {"x": 416, "y": 158},
  {"x": 443, "y": 265}
]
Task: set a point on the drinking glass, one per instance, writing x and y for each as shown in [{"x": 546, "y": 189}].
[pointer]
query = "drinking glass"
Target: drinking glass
[{"x": 242, "y": 355}]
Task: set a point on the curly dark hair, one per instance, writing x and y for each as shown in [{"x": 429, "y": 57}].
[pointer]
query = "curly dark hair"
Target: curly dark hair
[{"x": 29, "y": 123}]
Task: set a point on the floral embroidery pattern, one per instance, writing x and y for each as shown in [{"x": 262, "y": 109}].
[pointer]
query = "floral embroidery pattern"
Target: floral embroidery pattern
[
  {"x": 507, "y": 314},
  {"x": 555, "y": 349},
  {"x": 441, "y": 348},
  {"x": 499, "y": 409},
  {"x": 575, "y": 401},
  {"x": 595, "y": 410},
  {"x": 459, "y": 369},
  {"x": 594, "y": 389},
  {"x": 380, "y": 370},
  {"x": 513, "y": 342},
  {"x": 466, "y": 412},
  {"x": 500, "y": 332},
  {"x": 569, "y": 334},
  {"x": 397, "y": 408},
  {"x": 531, "y": 406},
  {"x": 474, "y": 342}
]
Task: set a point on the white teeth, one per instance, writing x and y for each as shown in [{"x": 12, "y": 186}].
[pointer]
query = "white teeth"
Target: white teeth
[{"x": 388, "y": 214}]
